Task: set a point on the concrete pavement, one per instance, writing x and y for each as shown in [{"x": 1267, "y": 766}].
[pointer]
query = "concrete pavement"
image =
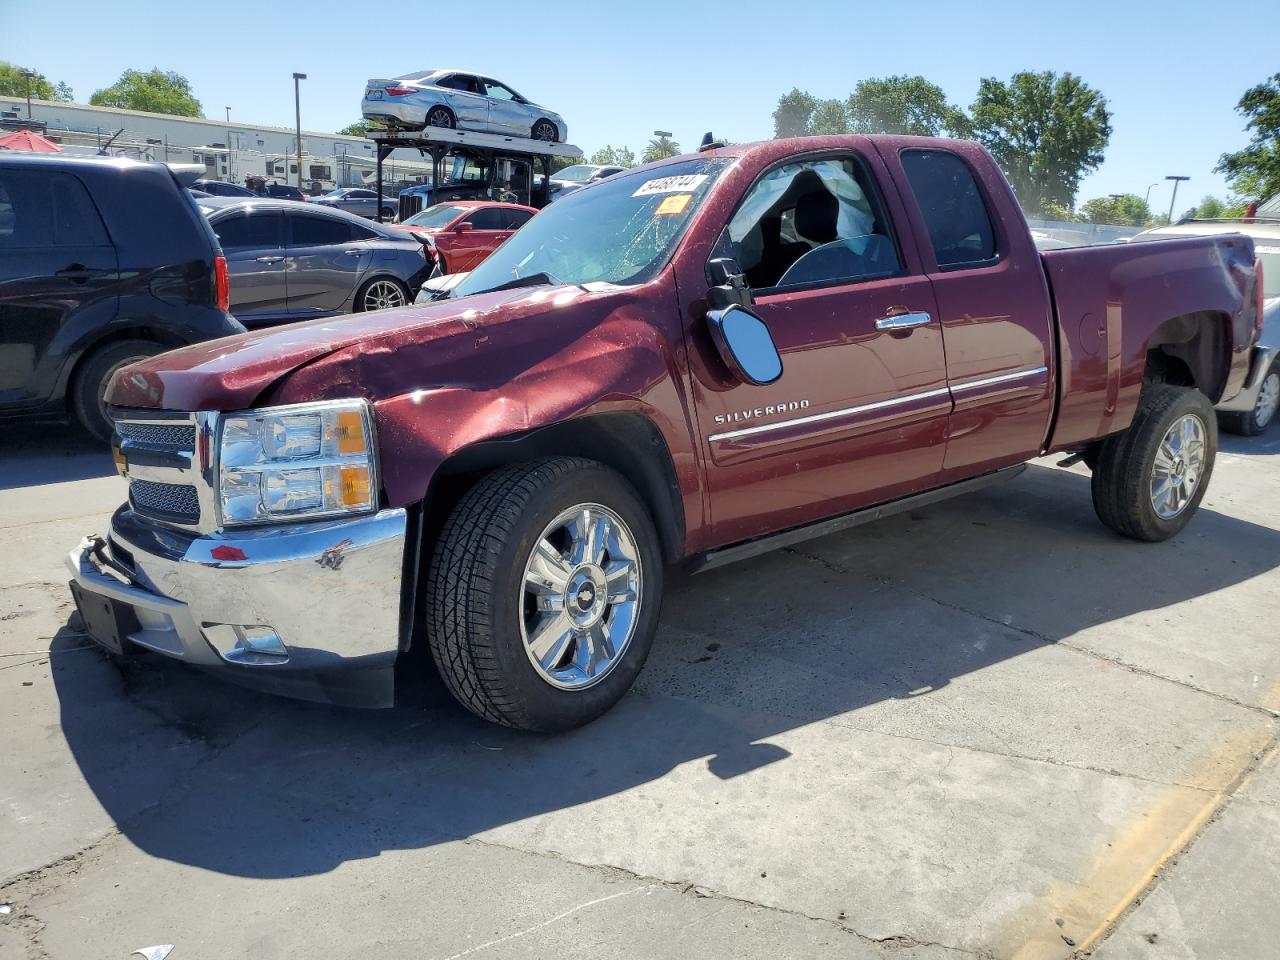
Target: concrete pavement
[{"x": 986, "y": 728}]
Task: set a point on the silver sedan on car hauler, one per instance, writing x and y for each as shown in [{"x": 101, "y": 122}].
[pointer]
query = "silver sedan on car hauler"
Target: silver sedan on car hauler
[
  {"x": 289, "y": 261},
  {"x": 1254, "y": 408},
  {"x": 459, "y": 100}
]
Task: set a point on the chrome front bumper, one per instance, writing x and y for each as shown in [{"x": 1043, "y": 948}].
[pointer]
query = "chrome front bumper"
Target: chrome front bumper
[{"x": 329, "y": 592}]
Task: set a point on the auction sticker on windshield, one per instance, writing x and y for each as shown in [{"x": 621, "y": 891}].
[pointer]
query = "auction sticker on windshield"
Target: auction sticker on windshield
[
  {"x": 673, "y": 204},
  {"x": 683, "y": 184}
]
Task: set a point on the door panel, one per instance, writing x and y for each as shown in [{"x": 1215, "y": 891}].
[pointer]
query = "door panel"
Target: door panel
[
  {"x": 858, "y": 416},
  {"x": 252, "y": 244},
  {"x": 58, "y": 271},
  {"x": 471, "y": 108},
  {"x": 996, "y": 314},
  {"x": 505, "y": 114},
  {"x": 324, "y": 264}
]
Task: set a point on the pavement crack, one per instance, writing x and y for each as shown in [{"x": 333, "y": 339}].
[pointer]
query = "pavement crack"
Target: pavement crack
[
  {"x": 1087, "y": 651},
  {"x": 689, "y": 888}
]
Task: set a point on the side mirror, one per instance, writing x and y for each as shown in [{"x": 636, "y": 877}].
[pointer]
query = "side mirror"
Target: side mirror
[
  {"x": 745, "y": 345},
  {"x": 729, "y": 285},
  {"x": 464, "y": 227}
]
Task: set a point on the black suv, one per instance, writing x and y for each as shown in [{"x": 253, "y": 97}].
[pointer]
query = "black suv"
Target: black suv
[{"x": 102, "y": 262}]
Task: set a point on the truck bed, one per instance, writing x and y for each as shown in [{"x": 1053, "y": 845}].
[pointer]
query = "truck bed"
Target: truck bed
[{"x": 1110, "y": 301}]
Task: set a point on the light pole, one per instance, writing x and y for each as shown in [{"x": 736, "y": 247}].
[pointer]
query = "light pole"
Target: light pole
[
  {"x": 1148, "y": 197},
  {"x": 297, "y": 114},
  {"x": 28, "y": 75},
  {"x": 662, "y": 136},
  {"x": 231, "y": 162},
  {"x": 1174, "y": 198}
]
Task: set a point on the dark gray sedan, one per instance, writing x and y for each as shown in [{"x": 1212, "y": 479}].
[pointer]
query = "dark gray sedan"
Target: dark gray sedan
[
  {"x": 361, "y": 202},
  {"x": 292, "y": 262}
]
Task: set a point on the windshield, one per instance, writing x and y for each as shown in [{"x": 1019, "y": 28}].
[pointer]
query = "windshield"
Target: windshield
[
  {"x": 436, "y": 216},
  {"x": 620, "y": 231},
  {"x": 578, "y": 174}
]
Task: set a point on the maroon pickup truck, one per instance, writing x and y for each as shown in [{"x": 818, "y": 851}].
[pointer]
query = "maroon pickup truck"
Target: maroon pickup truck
[{"x": 690, "y": 362}]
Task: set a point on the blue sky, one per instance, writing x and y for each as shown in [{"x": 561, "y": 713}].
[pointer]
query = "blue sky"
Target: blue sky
[{"x": 1171, "y": 73}]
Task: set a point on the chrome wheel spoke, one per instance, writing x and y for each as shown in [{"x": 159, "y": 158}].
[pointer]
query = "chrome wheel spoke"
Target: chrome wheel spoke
[
  {"x": 550, "y": 641},
  {"x": 548, "y": 572},
  {"x": 617, "y": 577}
]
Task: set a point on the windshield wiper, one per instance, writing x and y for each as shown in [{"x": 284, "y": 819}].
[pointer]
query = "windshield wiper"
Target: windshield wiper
[{"x": 532, "y": 280}]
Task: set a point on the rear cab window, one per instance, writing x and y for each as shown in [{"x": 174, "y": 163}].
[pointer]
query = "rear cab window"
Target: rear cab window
[{"x": 953, "y": 208}]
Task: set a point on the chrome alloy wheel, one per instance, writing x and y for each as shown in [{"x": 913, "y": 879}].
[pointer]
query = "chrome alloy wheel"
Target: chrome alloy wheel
[
  {"x": 382, "y": 295},
  {"x": 1268, "y": 400},
  {"x": 439, "y": 117},
  {"x": 581, "y": 596},
  {"x": 1178, "y": 467}
]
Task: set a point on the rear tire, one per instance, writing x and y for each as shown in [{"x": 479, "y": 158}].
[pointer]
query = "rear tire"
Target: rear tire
[
  {"x": 381, "y": 293},
  {"x": 441, "y": 117},
  {"x": 91, "y": 379},
  {"x": 1149, "y": 480},
  {"x": 530, "y": 626},
  {"x": 388, "y": 214}
]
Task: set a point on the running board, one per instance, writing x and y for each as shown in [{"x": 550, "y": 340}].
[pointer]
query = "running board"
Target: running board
[{"x": 821, "y": 528}]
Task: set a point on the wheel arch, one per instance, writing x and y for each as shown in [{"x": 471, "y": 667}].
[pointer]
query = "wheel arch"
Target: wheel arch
[
  {"x": 1191, "y": 350},
  {"x": 135, "y": 331},
  {"x": 628, "y": 442}
]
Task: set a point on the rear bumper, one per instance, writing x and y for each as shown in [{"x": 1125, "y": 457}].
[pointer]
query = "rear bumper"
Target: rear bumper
[
  {"x": 330, "y": 593},
  {"x": 1244, "y": 401}
]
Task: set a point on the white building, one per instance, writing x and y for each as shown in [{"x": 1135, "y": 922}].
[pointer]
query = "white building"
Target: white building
[{"x": 228, "y": 151}]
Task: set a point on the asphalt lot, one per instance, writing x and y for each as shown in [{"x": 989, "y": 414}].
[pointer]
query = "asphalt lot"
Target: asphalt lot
[{"x": 989, "y": 727}]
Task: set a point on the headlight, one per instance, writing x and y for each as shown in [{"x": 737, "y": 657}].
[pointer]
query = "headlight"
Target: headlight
[{"x": 297, "y": 462}]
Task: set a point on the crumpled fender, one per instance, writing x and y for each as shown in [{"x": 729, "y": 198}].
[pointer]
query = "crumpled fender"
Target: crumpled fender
[{"x": 551, "y": 355}]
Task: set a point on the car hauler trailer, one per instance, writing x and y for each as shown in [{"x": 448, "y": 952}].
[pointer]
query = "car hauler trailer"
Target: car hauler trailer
[{"x": 506, "y": 165}]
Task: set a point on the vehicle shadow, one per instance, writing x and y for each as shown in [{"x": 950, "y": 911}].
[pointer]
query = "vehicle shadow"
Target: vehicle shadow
[
  {"x": 1261, "y": 445},
  {"x": 32, "y": 454},
  {"x": 243, "y": 784}
]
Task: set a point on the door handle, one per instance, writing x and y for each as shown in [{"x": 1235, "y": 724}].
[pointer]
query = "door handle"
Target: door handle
[
  {"x": 270, "y": 259},
  {"x": 903, "y": 321},
  {"x": 77, "y": 273},
  {"x": 353, "y": 253}
]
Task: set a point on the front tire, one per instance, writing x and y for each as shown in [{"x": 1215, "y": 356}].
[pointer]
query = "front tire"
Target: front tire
[
  {"x": 543, "y": 594},
  {"x": 545, "y": 130},
  {"x": 1150, "y": 480},
  {"x": 88, "y": 403}
]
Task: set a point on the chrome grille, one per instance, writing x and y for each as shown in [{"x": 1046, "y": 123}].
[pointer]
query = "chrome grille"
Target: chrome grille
[
  {"x": 175, "y": 436},
  {"x": 410, "y": 203},
  {"x": 167, "y": 501},
  {"x": 161, "y": 451}
]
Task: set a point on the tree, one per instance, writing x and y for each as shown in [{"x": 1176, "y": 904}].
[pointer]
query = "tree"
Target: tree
[
  {"x": 829, "y": 117},
  {"x": 608, "y": 156},
  {"x": 660, "y": 149},
  {"x": 14, "y": 84},
  {"x": 1045, "y": 130},
  {"x": 1255, "y": 171},
  {"x": 156, "y": 91},
  {"x": 1209, "y": 208},
  {"x": 1050, "y": 210},
  {"x": 1125, "y": 209},
  {"x": 358, "y": 129},
  {"x": 793, "y": 114},
  {"x": 904, "y": 105}
]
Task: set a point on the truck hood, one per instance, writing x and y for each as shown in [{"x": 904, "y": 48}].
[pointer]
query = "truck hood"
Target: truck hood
[{"x": 234, "y": 372}]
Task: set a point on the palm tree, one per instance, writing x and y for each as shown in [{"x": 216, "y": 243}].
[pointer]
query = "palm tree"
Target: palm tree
[{"x": 660, "y": 149}]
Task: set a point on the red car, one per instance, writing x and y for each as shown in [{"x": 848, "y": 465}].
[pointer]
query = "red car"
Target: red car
[{"x": 464, "y": 232}]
